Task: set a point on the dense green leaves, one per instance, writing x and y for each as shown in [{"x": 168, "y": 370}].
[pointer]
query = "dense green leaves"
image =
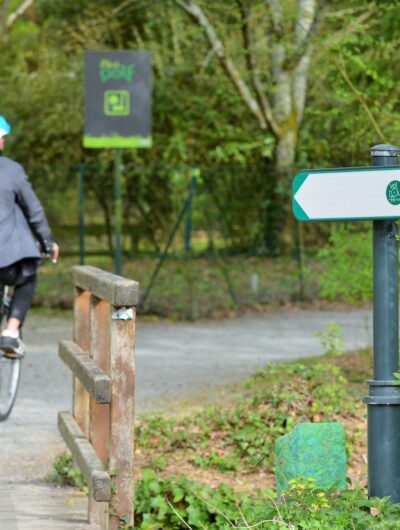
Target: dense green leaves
[
  {"x": 199, "y": 117},
  {"x": 177, "y": 503},
  {"x": 347, "y": 274}
]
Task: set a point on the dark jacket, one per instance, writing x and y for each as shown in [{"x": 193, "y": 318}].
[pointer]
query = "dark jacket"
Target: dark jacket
[{"x": 21, "y": 216}]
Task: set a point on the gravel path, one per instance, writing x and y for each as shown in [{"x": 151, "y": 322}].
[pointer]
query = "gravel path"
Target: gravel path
[{"x": 174, "y": 362}]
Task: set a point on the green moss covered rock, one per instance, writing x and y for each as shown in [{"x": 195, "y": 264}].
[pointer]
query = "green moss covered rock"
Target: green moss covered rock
[{"x": 316, "y": 450}]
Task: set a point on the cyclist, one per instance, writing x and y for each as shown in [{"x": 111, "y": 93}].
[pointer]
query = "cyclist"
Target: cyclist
[{"x": 22, "y": 219}]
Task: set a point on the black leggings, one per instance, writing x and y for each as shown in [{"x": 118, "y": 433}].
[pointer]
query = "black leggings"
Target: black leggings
[{"x": 22, "y": 275}]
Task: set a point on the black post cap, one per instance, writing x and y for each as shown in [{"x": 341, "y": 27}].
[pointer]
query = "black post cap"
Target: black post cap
[{"x": 385, "y": 150}]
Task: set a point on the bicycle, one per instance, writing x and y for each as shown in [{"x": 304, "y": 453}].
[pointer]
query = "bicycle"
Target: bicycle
[{"x": 10, "y": 368}]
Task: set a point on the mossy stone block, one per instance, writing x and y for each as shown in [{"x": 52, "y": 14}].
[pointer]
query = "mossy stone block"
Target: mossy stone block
[{"x": 316, "y": 450}]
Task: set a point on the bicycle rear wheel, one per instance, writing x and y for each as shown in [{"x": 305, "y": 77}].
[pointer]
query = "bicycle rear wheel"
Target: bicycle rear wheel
[{"x": 10, "y": 370}]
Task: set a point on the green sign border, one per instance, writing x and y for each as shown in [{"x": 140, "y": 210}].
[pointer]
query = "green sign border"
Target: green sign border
[
  {"x": 302, "y": 176},
  {"x": 116, "y": 142}
]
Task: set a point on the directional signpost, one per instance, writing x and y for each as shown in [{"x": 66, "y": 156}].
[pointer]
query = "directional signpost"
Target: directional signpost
[
  {"x": 360, "y": 194},
  {"x": 347, "y": 194}
]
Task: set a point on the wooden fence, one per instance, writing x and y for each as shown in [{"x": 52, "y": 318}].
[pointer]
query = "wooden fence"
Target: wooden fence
[{"x": 100, "y": 431}]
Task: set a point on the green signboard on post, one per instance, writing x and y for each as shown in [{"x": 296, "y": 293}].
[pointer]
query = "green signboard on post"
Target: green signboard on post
[
  {"x": 117, "y": 99},
  {"x": 117, "y": 115}
]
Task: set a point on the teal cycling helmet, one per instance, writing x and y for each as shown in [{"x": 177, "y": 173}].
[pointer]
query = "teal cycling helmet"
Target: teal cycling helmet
[{"x": 5, "y": 127}]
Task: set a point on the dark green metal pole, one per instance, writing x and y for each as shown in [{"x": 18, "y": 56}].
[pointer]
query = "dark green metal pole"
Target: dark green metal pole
[
  {"x": 384, "y": 395},
  {"x": 189, "y": 220},
  {"x": 81, "y": 205},
  {"x": 117, "y": 211}
]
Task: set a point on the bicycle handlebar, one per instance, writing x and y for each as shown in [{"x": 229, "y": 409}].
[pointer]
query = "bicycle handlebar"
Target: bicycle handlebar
[{"x": 45, "y": 255}]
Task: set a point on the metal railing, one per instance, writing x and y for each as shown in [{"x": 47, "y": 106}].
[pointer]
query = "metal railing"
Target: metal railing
[{"x": 100, "y": 431}]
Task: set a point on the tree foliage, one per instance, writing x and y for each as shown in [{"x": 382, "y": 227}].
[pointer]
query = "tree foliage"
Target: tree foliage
[{"x": 217, "y": 103}]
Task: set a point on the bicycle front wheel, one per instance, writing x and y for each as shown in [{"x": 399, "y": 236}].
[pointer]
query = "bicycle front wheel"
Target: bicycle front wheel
[{"x": 10, "y": 370}]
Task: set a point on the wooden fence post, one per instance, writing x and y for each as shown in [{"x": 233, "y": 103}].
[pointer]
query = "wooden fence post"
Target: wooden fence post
[
  {"x": 80, "y": 405},
  {"x": 122, "y": 373},
  {"x": 99, "y": 351}
]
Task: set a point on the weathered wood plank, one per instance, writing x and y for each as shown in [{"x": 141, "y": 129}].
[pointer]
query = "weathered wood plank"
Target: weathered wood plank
[
  {"x": 39, "y": 506},
  {"x": 8, "y": 518},
  {"x": 99, "y": 414},
  {"x": 83, "y": 453},
  {"x": 95, "y": 381},
  {"x": 122, "y": 373},
  {"x": 118, "y": 291},
  {"x": 80, "y": 398}
]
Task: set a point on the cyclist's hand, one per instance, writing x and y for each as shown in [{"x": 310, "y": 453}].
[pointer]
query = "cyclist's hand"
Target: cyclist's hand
[{"x": 55, "y": 253}]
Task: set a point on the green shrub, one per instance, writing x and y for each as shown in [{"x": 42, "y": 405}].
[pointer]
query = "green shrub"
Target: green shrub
[
  {"x": 331, "y": 340},
  {"x": 347, "y": 272},
  {"x": 177, "y": 503}
]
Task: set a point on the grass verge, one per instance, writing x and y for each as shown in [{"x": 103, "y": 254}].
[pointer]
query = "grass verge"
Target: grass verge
[
  {"x": 191, "y": 288},
  {"x": 234, "y": 442}
]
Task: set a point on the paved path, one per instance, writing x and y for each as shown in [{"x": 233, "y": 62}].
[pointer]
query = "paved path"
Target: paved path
[{"x": 174, "y": 362}]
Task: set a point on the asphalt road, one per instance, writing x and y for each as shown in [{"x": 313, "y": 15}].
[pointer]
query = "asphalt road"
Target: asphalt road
[{"x": 173, "y": 362}]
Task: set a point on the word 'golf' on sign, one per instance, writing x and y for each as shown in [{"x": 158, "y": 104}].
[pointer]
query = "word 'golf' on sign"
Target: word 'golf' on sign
[
  {"x": 117, "y": 99},
  {"x": 347, "y": 194}
]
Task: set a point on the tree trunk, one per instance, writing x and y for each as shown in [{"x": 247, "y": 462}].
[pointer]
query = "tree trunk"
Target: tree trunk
[
  {"x": 278, "y": 106},
  {"x": 278, "y": 192},
  {"x": 285, "y": 152}
]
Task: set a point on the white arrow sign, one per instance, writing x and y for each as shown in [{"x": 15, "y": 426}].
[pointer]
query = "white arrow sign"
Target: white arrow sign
[{"x": 353, "y": 193}]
